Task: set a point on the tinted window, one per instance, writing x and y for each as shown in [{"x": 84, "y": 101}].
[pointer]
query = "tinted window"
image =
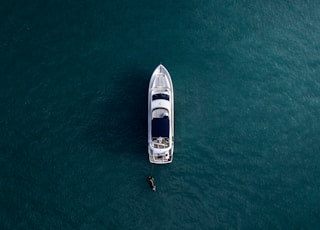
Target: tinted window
[{"x": 160, "y": 96}]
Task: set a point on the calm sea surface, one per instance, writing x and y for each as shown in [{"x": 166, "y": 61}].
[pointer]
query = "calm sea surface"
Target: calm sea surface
[{"x": 74, "y": 78}]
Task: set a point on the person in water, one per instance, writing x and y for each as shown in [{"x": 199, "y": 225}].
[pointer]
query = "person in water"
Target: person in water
[{"x": 151, "y": 182}]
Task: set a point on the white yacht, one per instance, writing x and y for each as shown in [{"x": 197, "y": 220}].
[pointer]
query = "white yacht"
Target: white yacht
[{"x": 160, "y": 117}]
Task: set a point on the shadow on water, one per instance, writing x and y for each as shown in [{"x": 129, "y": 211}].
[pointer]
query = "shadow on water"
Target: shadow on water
[{"x": 120, "y": 126}]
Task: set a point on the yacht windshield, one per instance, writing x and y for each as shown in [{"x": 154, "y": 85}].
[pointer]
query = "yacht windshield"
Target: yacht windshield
[{"x": 160, "y": 96}]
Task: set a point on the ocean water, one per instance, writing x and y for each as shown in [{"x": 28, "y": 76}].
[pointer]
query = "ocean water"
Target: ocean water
[{"x": 73, "y": 96}]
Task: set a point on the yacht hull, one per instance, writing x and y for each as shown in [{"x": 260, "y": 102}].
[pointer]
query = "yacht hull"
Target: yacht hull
[{"x": 160, "y": 117}]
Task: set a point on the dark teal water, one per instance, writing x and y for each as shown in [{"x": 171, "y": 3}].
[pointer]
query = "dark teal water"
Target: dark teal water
[{"x": 73, "y": 99}]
